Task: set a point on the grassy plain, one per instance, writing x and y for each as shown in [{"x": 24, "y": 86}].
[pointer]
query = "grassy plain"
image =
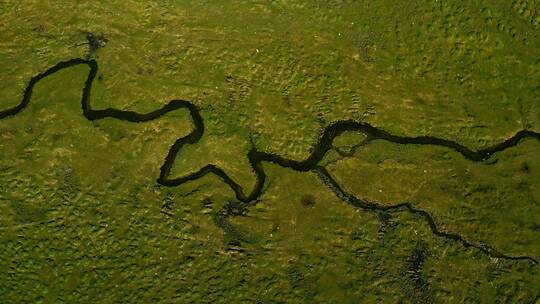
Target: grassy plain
[{"x": 82, "y": 218}]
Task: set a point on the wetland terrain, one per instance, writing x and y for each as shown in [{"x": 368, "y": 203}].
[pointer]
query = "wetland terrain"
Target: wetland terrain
[{"x": 270, "y": 152}]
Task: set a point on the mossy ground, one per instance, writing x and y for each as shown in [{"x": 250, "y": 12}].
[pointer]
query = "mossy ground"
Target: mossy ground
[{"x": 82, "y": 218}]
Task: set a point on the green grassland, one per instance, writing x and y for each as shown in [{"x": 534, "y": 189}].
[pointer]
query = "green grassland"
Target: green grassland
[{"x": 83, "y": 220}]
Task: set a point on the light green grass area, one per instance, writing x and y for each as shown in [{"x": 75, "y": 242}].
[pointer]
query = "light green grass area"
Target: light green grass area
[{"x": 83, "y": 220}]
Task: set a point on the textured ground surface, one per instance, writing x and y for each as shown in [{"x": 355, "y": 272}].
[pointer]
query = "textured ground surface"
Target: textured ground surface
[{"x": 82, "y": 218}]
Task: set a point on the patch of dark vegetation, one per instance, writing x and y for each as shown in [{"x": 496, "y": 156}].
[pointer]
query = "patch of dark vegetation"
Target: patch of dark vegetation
[
  {"x": 41, "y": 31},
  {"x": 525, "y": 167},
  {"x": 95, "y": 42},
  {"x": 495, "y": 270},
  {"x": 385, "y": 218},
  {"x": 484, "y": 188},
  {"x": 27, "y": 212},
  {"x": 417, "y": 289},
  {"x": 364, "y": 50},
  {"x": 523, "y": 186},
  {"x": 234, "y": 208},
  {"x": 238, "y": 90},
  {"x": 308, "y": 200},
  {"x": 368, "y": 45},
  {"x": 418, "y": 256},
  {"x": 207, "y": 203},
  {"x": 233, "y": 235},
  {"x": 191, "y": 192},
  {"x": 535, "y": 226},
  {"x": 68, "y": 187},
  {"x": 357, "y": 234},
  {"x": 193, "y": 229},
  {"x": 298, "y": 280},
  {"x": 295, "y": 277},
  {"x": 168, "y": 201}
]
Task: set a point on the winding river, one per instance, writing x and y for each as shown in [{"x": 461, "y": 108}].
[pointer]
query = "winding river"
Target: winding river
[{"x": 257, "y": 157}]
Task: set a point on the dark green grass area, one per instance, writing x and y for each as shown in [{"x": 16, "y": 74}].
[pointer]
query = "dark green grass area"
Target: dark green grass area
[{"x": 83, "y": 220}]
